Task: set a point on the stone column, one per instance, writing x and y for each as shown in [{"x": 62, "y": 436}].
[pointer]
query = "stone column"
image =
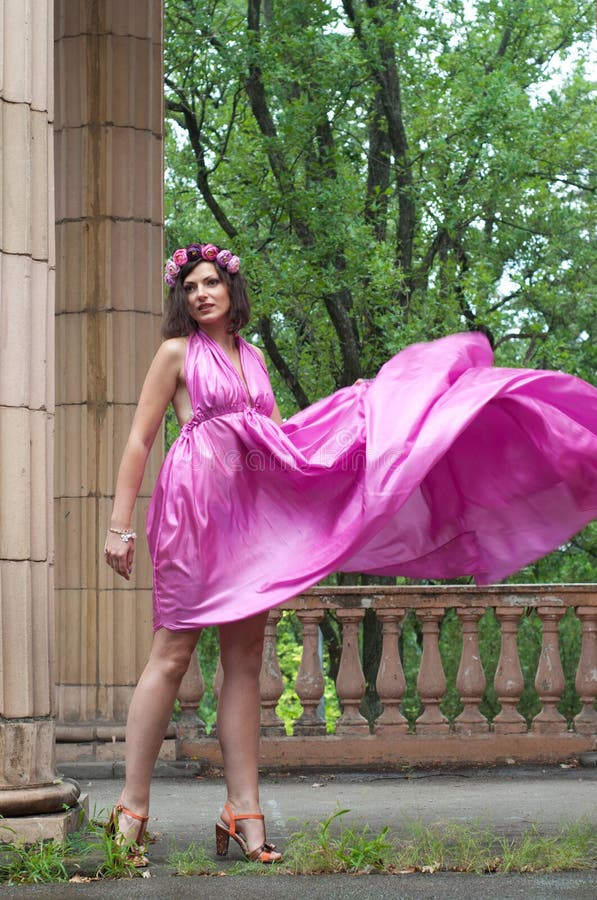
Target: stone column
[
  {"x": 108, "y": 141},
  {"x": 31, "y": 798}
]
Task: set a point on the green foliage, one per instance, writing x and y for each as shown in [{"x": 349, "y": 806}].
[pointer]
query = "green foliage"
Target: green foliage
[
  {"x": 40, "y": 863},
  {"x": 208, "y": 650},
  {"x": 346, "y": 850},
  {"x": 391, "y": 173},
  {"x": 191, "y": 861}
]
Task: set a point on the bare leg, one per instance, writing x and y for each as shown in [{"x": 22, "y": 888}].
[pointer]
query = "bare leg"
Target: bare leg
[
  {"x": 149, "y": 714},
  {"x": 241, "y": 650}
]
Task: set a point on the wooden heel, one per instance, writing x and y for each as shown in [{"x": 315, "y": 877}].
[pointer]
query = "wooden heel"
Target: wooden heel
[
  {"x": 222, "y": 840},
  {"x": 266, "y": 853}
]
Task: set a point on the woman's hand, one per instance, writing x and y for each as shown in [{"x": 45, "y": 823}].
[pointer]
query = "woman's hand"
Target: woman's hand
[{"x": 119, "y": 554}]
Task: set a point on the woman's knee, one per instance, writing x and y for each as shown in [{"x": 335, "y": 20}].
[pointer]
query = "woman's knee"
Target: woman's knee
[
  {"x": 242, "y": 657},
  {"x": 173, "y": 656}
]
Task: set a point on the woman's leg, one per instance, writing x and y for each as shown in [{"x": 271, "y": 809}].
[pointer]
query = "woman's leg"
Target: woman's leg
[
  {"x": 149, "y": 714},
  {"x": 239, "y": 702}
]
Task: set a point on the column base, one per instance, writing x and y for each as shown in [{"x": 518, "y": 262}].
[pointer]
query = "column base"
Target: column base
[
  {"x": 38, "y": 799},
  {"x": 52, "y": 827}
]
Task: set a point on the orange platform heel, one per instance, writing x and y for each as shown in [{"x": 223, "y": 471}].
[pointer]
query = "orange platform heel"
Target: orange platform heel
[
  {"x": 266, "y": 853},
  {"x": 136, "y": 849}
]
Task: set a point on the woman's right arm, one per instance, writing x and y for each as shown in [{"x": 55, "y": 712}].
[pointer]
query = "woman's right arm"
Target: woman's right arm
[{"x": 158, "y": 389}]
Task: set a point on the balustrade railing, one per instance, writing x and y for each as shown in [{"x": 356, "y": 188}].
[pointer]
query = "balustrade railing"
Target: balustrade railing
[{"x": 430, "y": 737}]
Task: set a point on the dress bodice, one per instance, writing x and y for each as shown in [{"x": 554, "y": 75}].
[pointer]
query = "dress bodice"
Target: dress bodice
[{"x": 215, "y": 386}]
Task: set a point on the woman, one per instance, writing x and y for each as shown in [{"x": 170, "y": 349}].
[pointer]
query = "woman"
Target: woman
[
  {"x": 440, "y": 466},
  {"x": 201, "y": 299}
]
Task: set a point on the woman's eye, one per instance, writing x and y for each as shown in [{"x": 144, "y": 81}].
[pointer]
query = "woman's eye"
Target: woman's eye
[{"x": 188, "y": 288}]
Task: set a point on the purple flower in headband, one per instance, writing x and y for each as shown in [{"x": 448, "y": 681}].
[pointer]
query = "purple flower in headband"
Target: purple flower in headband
[
  {"x": 223, "y": 258},
  {"x": 233, "y": 265}
]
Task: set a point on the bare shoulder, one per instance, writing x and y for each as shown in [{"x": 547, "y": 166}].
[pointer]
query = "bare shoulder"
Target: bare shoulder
[
  {"x": 171, "y": 354},
  {"x": 173, "y": 348},
  {"x": 259, "y": 352}
]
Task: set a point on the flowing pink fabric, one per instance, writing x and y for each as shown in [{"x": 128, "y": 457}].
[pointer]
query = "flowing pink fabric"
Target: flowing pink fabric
[{"x": 440, "y": 466}]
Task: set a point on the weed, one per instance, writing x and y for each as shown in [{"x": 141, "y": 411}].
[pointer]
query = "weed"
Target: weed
[
  {"x": 575, "y": 847},
  {"x": 40, "y": 863},
  {"x": 348, "y": 851},
  {"x": 192, "y": 861}
]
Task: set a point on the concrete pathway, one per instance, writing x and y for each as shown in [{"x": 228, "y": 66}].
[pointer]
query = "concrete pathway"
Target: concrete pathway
[{"x": 507, "y": 800}]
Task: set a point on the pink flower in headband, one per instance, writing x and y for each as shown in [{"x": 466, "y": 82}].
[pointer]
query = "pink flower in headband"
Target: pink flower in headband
[
  {"x": 209, "y": 252},
  {"x": 180, "y": 257},
  {"x": 171, "y": 273}
]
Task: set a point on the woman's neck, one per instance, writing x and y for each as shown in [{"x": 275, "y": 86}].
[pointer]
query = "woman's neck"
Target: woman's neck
[{"x": 221, "y": 336}]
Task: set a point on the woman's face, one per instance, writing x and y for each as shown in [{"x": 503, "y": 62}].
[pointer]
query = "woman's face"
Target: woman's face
[{"x": 207, "y": 295}]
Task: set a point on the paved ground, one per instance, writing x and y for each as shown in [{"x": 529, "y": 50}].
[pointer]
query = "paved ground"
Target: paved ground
[{"x": 506, "y": 800}]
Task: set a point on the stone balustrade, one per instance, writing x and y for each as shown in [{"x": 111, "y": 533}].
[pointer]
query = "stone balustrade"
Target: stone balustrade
[{"x": 432, "y": 738}]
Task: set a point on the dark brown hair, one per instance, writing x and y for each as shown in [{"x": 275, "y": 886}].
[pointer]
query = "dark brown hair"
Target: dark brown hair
[{"x": 177, "y": 319}]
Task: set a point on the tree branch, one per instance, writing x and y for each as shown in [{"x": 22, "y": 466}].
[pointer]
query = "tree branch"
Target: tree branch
[{"x": 288, "y": 376}]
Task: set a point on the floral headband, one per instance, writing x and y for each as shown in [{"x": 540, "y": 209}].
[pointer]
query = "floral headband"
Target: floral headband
[{"x": 208, "y": 252}]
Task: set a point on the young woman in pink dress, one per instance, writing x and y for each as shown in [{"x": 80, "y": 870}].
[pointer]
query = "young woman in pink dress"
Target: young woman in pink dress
[{"x": 440, "y": 466}]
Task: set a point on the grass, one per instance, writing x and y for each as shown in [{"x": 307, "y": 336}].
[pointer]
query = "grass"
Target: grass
[
  {"x": 192, "y": 861},
  {"x": 329, "y": 847},
  {"x": 436, "y": 848}
]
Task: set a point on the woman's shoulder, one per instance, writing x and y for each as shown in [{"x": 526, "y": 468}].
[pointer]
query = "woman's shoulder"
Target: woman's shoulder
[
  {"x": 171, "y": 354},
  {"x": 257, "y": 350},
  {"x": 174, "y": 347}
]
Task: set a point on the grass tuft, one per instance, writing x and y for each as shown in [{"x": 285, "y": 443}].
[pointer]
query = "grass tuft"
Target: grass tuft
[
  {"x": 40, "y": 863},
  {"x": 192, "y": 861}
]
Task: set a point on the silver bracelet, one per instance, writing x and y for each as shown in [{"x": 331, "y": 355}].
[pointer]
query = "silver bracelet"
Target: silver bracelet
[{"x": 125, "y": 534}]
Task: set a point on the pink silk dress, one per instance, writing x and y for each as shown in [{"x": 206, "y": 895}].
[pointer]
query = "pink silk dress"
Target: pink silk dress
[{"x": 440, "y": 466}]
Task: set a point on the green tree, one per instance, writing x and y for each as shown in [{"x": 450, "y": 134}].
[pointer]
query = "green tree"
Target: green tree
[{"x": 391, "y": 171}]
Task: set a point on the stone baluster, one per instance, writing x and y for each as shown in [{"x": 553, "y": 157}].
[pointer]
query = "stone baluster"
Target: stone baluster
[
  {"x": 549, "y": 679},
  {"x": 390, "y": 682},
  {"x": 509, "y": 681},
  {"x": 192, "y": 688},
  {"x": 431, "y": 682},
  {"x": 586, "y": 677},
  {"x": 350, "y": 683},
  {"x": 271, "y": 683},
  {"x": 310, "y": 684},
  {"x": 470, "y": 681}
]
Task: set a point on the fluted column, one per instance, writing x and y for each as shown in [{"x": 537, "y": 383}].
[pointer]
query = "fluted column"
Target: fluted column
[
  {"x": 28, "y": 784},
  {"x": 108, "y": 141}
]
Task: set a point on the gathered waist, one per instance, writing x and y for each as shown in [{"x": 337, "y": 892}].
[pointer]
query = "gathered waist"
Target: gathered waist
[{"x": 200, "y": 416}]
